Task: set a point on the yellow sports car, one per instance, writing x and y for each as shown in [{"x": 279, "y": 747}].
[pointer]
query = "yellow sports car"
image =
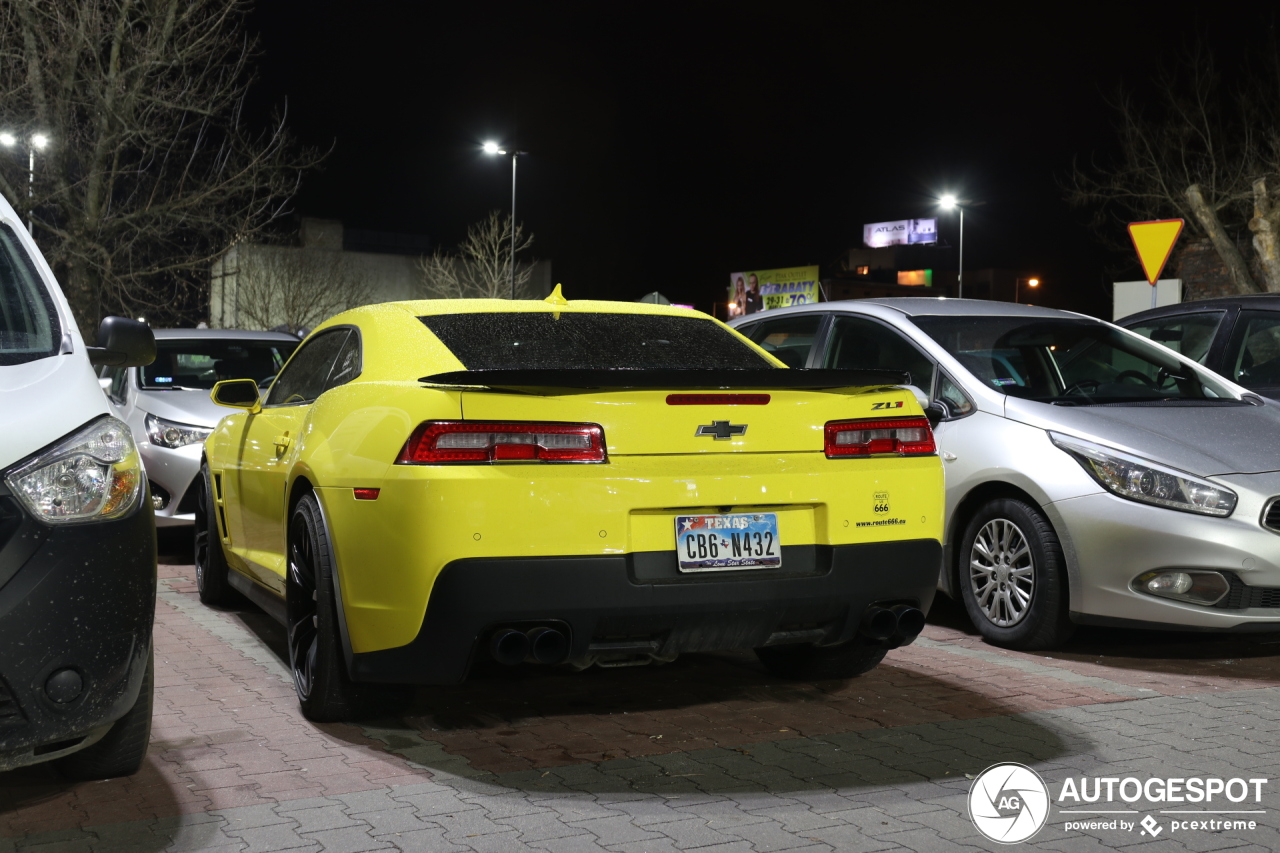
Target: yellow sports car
[{"x": 428, "y": 484}]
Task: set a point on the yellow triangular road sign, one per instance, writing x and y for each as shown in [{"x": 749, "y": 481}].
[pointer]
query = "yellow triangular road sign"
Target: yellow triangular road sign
[{"x": 1154, "y": 242}]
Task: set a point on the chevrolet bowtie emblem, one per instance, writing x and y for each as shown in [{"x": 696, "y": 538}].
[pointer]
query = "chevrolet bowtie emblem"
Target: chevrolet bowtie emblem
[{"x": 721, "y": 430}]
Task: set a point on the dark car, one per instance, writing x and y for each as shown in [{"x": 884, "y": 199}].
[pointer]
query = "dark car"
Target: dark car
[{"x": 1235, "y": 336}]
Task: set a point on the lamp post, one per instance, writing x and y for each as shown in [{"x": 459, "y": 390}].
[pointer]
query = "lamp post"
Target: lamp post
[
  {"x": 38, "y": 140},
  {"x": 493, "y": 148},
  {"x": 1017, "y": 284},
  {"x": 949, "y": 202}
]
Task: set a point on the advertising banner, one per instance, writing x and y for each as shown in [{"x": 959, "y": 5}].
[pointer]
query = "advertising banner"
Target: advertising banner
[
  {"x": 900, "y": 232},
  {"x": 761, "y": 290}
]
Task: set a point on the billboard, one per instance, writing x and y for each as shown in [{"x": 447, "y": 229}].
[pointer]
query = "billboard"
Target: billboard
[
  {"x": 760, "y": 290},
  {"x": 900, "y": 232}
]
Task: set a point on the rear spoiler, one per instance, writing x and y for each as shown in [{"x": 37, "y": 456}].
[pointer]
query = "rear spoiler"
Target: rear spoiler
[{"x": 776, "y": 378}]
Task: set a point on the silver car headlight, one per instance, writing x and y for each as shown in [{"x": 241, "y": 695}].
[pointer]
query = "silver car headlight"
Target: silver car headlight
[
  {"x": 173, "y": 435},
  {"x": 1148, "y": 482},
  {"x": 93, "y": 475}
]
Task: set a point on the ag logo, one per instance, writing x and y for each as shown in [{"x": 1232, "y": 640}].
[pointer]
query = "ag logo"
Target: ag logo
[
  {"x": 890, "y": 404},
  {"x": 881, "y": 502},
  {"x": 1008, "y": 803}
]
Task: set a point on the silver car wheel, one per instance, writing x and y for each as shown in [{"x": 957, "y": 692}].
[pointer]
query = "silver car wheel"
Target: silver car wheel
[{"x": 1001, "y": 572}]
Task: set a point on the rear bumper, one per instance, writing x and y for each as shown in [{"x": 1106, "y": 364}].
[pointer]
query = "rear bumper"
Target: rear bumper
[
  {"x": 78, "y": 598},
  {"x": 640, "y": 601}
]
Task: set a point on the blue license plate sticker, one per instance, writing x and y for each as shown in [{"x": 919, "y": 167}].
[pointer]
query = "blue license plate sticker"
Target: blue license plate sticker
[{"x": 741, "y": 540}]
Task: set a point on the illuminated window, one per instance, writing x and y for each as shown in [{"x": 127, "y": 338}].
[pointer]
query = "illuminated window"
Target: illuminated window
[
  {"x": 915, "y": 277},
  {"x": 862, "y": 270}
]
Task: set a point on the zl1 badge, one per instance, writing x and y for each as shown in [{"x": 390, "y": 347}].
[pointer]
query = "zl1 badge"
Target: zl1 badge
[
  {"x": 881, "y": 502},
  {"x": 888, "y": 404}
]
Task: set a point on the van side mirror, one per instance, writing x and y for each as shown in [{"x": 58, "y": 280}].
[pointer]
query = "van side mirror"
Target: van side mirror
[
  {"x": 237, "y": 394},
  {"x": 123, "y": 343}
]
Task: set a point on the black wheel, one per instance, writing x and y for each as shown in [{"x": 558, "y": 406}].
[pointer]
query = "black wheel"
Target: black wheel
[
  {"x": 1013, "y": 577},
  {"x": 210, "y": 562},
  {"x": 121, "y": 750},
  {"x": 805, "y": 660},
  {"x": 325, "y": 691}
]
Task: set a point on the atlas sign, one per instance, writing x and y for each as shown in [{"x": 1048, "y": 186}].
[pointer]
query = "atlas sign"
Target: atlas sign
[{"x": 900, "y": 232}]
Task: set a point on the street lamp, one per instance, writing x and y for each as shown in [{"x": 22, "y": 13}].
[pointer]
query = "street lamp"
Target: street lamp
[
  {"x": 950, "y": 202},
  {"x": 1017, "y": 283},
  {"x": 38, "y": 141},
  {"x": 493, "y": 148}
]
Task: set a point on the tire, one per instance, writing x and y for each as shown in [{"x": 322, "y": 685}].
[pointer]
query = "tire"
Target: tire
[
  {"x": 210, "y": 561},
  {"x": 1012, "y": 577},
  {"x": 807, "y": 661},
  {"x": 121, "y": 750},
  {"x": 325, "y": 691}
]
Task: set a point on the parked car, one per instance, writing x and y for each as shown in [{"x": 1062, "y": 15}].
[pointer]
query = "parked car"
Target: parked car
[
  {"x": 166, "y": 403},
  {"x": 77, "y": 540},
  {"x": 1092, "y": 476},
  {"x": 1235, "y": 336},
  {"x": 427, "y": 484}
]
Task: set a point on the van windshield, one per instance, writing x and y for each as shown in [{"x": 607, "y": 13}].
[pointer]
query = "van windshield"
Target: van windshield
[
  {"x": 1070, "y": 361},
  {"x": 29, "y": 326}
]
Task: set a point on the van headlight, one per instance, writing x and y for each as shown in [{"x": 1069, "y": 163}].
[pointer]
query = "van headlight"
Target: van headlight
[
  {"x": 92, "y": 475},
  {"x": 1147, "y": 482},
  {"x": 174, "y": 435}
]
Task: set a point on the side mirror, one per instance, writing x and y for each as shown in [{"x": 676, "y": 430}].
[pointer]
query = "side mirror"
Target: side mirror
[
  {"x": 105, "y": 383},
  {"x": 237, "y": 394},
  {"x": 123, "y": 343},
  {"x": 921, "y": 397},
  {"x": 936, "y": 412}
]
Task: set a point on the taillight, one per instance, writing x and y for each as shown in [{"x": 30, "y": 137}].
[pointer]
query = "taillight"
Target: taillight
[
  {"x": 717, "y": 399},
  {"x": 876, "y": 436},
  {"x": 436, "y": 442}
]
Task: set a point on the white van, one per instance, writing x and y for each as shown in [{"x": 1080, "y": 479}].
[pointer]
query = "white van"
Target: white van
[{"x": 77, "y": 534}]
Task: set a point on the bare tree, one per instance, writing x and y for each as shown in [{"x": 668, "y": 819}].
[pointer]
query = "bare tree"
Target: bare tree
[
  {"x": 151, "y": 170},
  {"x": 297, "y": 288},
  {"x": 1197, "y": 154},
  {"x": 481, "y": 268}
]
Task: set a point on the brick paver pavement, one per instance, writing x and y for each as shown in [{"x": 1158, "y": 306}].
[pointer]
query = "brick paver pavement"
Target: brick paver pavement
[{"x": 708, "y": 753}]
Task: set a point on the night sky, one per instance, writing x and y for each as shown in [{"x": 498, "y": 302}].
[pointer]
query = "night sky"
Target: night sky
[{"x": 670, "y": 144}]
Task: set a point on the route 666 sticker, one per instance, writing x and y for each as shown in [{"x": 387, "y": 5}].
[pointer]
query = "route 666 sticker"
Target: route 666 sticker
[{"x": 880, "y": 502}]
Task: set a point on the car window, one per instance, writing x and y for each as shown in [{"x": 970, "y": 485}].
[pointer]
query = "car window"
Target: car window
[
  {"x": 29, "y": 327},
  {"x": 504, "y": 340},
  {"x": 958, "y": 405},
  {"x": 1188, "y": 334},
  {"x": 857, "y": 343},
  {"x": 347, "y": 365},
  {"x": 306, "y": 375},
  {"x": 199, "y": 363},
  {"x": 788, "y": 339},
  {"x": 1069, "y": 361},
  {"x": 1253, "y": 354}
]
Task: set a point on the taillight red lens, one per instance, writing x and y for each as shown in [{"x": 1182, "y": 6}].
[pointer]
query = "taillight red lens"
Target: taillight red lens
[
  {"x": 876, "y": 436},
  {"x": 717, "y": 399},
  {"x": 436, "y": 442}
]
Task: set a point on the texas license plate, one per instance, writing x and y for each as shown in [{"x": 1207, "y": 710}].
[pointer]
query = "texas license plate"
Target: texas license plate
[{"x": 713, "y": 543}]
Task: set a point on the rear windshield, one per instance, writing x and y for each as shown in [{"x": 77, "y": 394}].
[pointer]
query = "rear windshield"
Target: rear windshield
[
  {"x": 28, "y": 322},
  {"x": 1069, "y": 361},
  {"x": 197, "y": 364},
  {"x": 573, "y": 341}
]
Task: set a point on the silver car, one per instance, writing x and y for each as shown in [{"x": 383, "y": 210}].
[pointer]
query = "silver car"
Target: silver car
[
  {"x": 1093, "y": 477},
  {"x": 167, "y": 404}
]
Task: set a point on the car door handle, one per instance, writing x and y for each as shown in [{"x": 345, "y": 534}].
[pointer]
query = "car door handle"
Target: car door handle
[{"x": 282, "y": 442}]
